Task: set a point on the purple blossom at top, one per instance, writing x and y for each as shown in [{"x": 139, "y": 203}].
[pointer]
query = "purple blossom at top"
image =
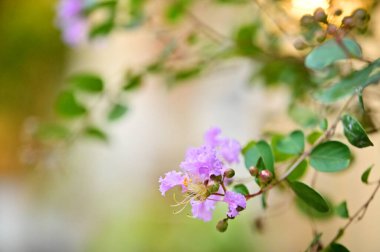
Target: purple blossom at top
[
  {"x": 71, "y": 21},
  {"x": 229, "y": 149},
  {"x": 195, "y": 179},
  {"x": 234, "y": 201}
]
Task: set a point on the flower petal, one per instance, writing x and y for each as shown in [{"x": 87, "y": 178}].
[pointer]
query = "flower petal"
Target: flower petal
[
  {"x": 234, "y": 200},
  {"x": 171, "y": 179},
  {"x": 203, "y": 209}
]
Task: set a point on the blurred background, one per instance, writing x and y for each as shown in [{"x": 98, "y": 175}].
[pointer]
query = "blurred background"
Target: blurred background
[{"x": 96, "y": 196}]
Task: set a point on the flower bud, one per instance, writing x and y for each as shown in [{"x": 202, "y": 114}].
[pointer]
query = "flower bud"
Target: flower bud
[
  {"x": 320, "y": 15},
  {"x": 253, "y": 171},
  {"x": 338, "y": 12},
  {"x": 307, "y": 20},
  {"x": 348, "y": 22},
  {"x": 222, "y": 225},
  {"x": 360, "y": 14},
  {"x": 300, "y": 44},
  {"x": 331, "y": 29},
  {"x": 213, "y": 188},
  {"x": 216, "y": 178},
  {"x": 320, "y": 36},
  {"x": 265, "y": 176},
  {"x": 229, "y": 173}
]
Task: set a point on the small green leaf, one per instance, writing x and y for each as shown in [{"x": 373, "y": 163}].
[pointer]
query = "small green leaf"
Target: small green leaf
[
  {"x": 314, "y": 136},
  {"x": 68, "y": 106},
  {"x": 309, "y": 196},
  {"x": 133, "y": 81},
  {"x": 186, "y": 74},
  {"x": 329, "y": 52},
  {"x": 176, "y": 10},
  {"x": 260, "y": 150},
  {"x": 310, "y": 212},
  {"x": 365, "y": 174},
  {"x": 342, "y": 210},
  {"x": 330, "y": 156},
  {"x": 354, "y": 132},
  {"x": 101, "y": 29},
  {"x": 360, "y": 99},
  {"x": 117, "y": 111},
  {"x": 323, "y": 124},
  {"x": 96, "y": 133},
  {"x": 264, "y": 203},
  {"x": 292, "y": 144},
  {"x": 298, "y": 172},
  {"x": 240, "y": 188},
  {"x": 278, "y": 156},
  {"x": 336, "y": 247},
  {"x": 303, "y": 116},
  {"x": 87, "y": 82}
]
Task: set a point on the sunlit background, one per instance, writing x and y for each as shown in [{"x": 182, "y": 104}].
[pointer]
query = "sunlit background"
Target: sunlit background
[{"x": 104, "y": 197}]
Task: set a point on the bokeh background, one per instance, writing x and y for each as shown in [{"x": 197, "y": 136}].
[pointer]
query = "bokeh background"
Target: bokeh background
[{"x": 104, "y": 197}]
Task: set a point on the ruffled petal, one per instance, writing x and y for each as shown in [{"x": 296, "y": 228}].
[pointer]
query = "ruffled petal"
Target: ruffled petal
[
  {"x": 171, "y": 179},
  {"x": 203, "y": 209},
  {"x": 234, "y": 201}
]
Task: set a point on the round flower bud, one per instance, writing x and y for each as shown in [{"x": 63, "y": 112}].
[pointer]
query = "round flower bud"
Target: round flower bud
[
  {"x": 320, "y": 15},
  {"x": 222, "y": 225},
  {"x": 213, "y": 188},
  {"x": 253, "y": 171},
  {"x": 348, "y": 22},
  {"x": 361, "y": 14},
  {"x": 229, "y": 173},
  {"x": 300, "y": 44},
  {"x": 332, "y": 29},
  {"x": 307, "y": 20},
  {"x": 320, "y": 36},
  {"x": 265, "y": 176},
  {"x": 216, "y": 178},
  {"x": 338, "y": 12}
]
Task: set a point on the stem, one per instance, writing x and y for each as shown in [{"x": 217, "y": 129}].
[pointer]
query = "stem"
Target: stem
[
  {"x": 359, "y": 214},
  {"x": 327, "y": 135}
]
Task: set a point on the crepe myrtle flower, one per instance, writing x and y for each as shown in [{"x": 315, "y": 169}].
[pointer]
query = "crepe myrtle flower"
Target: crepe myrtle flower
[
  {"x": 71, "y": 21},
  {"x": 202, "y": 177}
]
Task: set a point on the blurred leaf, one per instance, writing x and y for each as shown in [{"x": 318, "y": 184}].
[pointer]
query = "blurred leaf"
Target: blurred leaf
[
  {"x": 330, "y": 156},
  {"x": 52, "y": 131},
  {"x": 186, "y": 74},
  {"x": 365, "y": 174},
  {"x": 101, "y": 29},
  {"x": 342, "y": 211},
  {"x": 264, "y": 203},
  {"x": 136, "y": 13},
  {"x": 309, "y": 196},
  {"x": 133, "y": 81},
  {"x": 323, "y": 124},
  {"x": 356, "y": 81},
  {"x": 354, "y": 132},
  {"x": 314, "y": 136},
  {"x": 99, "y": 5},
  {"x": 303, "y": 116},
  {"x": 87, "y": 82},
  {"x": 292, "y": 144},
  {"x": 244, "y": 40},
  {"x": 329, "y": 52},
  {"x": 96, "y": 133},
  {"x": 298, "y": 172},
  {"x": 260, "y": 150},
  {"x": 67, "y": 105},
  {"x": 336, "y": 247},
  {"x": 176, "y": 10},
  {"x": 117, "y": 111},
  {"x": 278, "y": 156},
  {"x": 360, "y": 99},
  {"x": 310, "y": 212},
  {"x": 240, "y": 188}
]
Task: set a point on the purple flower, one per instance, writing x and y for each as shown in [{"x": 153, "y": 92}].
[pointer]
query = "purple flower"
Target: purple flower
[
  {"x": 71, "y": 21},
  {"x": 202, "y": 209},
  {"x": 171, "y": 180},
  {"x": 236, "y": 202},
  {"x": 229, "y": 149}
]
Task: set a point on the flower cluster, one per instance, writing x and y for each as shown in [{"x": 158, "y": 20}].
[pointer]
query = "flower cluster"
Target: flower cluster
[
  {"x": 203, "y": 175},
  {"x": 71, "y": 21}
]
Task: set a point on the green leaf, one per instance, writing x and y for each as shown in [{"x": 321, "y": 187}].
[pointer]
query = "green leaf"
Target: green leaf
[
  {"x": 365, "y": 174},
  {"x": 264, "y": 203},
  {"x": 355, "y": 82},
  {"x": 240, "y": 188},
  {"x": 87, "y": 82},
  {"x": 68, "y": 106},
  {"x": 278, "y": 156},
  {"x": 298, "y": 172},
  {"x": 177, "y": 10},
  {"x": 260, "y": 150},
  {"x": 96, "y": 133},
  {"x": 336, "y": 247},
  {"x": 354, "y": 132},
  {"x": 310, "y": 212},
  {"x": 309, "y": 196},
  {"x": 117, "y": 111},
  {"x": 303, "y": 116},
  {"x": 292, "y": 144},
  {"x": 314, "y": 136},
  {"x": 133, "y": 81},
  {"x": 323, "y": 124},
  {"x": 342, "y": 211},
  {"x": 245, "y": 40},
  {"x": 360, "y": 99},
  {"x": 186, "y": 74},
  {"x": 330, "y": 156},
  {"x": 101, "y": 29},
  {"x": 329, "y": 52}
]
